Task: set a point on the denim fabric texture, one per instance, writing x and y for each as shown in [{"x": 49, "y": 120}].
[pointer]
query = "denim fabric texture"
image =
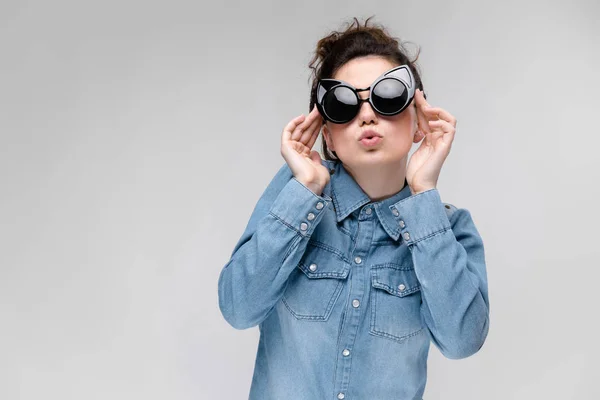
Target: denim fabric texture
[{"x": 348, "y": 293}]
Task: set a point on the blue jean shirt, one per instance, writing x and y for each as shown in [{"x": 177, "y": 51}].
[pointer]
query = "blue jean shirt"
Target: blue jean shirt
[{"x": 348, "y": 293}]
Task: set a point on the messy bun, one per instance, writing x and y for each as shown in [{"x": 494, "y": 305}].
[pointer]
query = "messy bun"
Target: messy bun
[{"x": 355, "y": 40}]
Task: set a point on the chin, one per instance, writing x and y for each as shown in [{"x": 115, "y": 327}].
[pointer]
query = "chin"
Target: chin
[
  {"x": 369, "y": 158},
  {"x": 381, "y": 158}
]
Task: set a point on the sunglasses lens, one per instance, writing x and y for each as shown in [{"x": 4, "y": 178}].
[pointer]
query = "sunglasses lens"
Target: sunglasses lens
[
  {"x": 389, "y": 96},
  {"x": 340, "y": 104}
]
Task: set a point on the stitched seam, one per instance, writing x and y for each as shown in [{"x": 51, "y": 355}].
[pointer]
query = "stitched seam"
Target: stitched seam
[
  {"x": 395, "y": 231},
  {"x": 300, "y": 316},
  {"x": 346, "y": 211},
  {"x": 290, "y": 226},
  {"x": 430, "y": 235},
  {"x": 373, "y": 330},
  {"x": 331, "y": 249},
  {"x": 344, "y": 230},
  {"x": 395, "y": 292},
  {"x": 392, "y": 266},
  {"x": 314, "y": 275},
  {"x": 334, "y": 296},
  {"x": 416, "y": 195},
  {"x": 320, "y": 198},
  {"x": 397, "y": 338}
]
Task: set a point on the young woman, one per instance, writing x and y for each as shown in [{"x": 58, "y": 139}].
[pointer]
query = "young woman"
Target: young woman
[{"x": 352, "y": 265}]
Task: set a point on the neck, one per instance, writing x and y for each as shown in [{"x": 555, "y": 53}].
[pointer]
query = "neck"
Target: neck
[{"x": 380, "y": 181}]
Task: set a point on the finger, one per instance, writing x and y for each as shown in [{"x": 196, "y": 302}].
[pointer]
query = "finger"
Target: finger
[
  {"x": 289, "y": 128},
  {"x": 444, "y": 132},
  {"x": 440, "y": 113},
  {"x": 420, "y": 99},
  {"x": 437, "y": 128},
  {"x": 308, "y": 133},
  {"x": 421, "y": 118},
  {"x": 441, "y": 125},
  {"x": 297, "y": 133},
  {"x": 314, "y": 137}
]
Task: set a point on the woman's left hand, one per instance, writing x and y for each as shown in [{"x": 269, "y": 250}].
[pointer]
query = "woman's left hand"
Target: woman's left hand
[{"x": 438, "y": 127}]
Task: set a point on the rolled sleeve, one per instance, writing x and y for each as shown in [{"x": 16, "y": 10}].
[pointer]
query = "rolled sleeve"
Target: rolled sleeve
[
  {"x": 420, "y": 216},
  {"x": 299, "y": 208}
]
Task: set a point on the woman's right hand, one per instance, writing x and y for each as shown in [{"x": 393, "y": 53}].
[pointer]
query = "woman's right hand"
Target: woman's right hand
[{"x": 297, "y": 140}]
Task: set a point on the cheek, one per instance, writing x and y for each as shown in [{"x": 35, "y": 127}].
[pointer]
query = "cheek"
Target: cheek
[
  {"x": 339, "y": 133},
  {"x": 404, "y": 124}
]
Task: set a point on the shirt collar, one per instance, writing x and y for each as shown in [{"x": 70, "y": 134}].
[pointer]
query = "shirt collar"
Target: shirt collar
[{"x": 348, "y": 196}]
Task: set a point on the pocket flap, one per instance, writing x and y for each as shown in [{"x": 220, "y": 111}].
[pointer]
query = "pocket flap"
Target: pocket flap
[
  {"x": 321, "y": 262},
  {"x": 395, "y": 279}
]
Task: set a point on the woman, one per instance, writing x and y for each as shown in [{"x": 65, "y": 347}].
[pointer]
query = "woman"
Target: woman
[{"x": 352, "y": 265}]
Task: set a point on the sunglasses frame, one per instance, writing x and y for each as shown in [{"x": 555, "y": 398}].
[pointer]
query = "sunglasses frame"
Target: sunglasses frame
[{"x": 401, "y": 73}]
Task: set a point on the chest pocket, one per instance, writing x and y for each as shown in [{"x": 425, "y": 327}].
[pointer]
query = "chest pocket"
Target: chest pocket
[
  {"x": 315, "y": 285},
  {"x": 395, "y": 302}
]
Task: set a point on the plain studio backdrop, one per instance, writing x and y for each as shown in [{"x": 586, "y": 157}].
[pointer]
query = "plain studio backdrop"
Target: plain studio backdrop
[{"x": 137, "y": 136}]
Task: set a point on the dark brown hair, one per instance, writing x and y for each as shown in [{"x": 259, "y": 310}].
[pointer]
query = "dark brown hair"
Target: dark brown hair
[{"x": 356, "y": 40}]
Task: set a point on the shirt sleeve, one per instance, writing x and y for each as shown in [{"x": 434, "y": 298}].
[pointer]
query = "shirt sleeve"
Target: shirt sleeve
[
  {"x": 271, "y": 246},
  {"x": 448, "y": 255}
]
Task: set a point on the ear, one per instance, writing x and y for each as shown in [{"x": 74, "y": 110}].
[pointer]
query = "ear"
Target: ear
[
  {"x": 417, "y": 134},
  {"x": 327, "y": 136},
  {"x": 418, "y": 137}
]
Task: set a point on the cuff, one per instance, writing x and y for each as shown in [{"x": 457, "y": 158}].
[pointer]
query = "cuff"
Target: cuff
[
  {"x": 420, "y": 216},
  {"x": 299, "y": 207}
]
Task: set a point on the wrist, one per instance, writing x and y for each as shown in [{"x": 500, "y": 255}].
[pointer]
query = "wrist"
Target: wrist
[
  {"x": 420, "y": 189},
  {"x": 312, "y": 186}
]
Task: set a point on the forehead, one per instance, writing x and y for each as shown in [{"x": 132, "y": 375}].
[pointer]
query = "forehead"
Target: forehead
[{"x": 361, "y": 72}]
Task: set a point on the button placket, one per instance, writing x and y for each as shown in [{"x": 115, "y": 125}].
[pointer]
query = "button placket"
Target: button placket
[
  {"x": 401, "y": 223},
  {"x": 311, "y": 216}
]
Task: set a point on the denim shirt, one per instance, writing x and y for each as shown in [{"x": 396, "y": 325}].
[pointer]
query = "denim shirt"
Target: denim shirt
[{"x": 348, "y": 293}]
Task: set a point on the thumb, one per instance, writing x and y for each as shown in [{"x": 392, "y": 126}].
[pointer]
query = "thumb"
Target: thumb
[{"x": 315, "y": 156}]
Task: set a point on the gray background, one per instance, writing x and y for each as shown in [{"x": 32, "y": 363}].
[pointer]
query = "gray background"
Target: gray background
[{"x": 131, "y": 159}]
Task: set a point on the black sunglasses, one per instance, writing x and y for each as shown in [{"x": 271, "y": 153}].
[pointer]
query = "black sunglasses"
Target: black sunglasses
[{"x": 339, "y": 102}]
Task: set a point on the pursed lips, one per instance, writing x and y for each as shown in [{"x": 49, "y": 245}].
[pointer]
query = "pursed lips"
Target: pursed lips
[{"x": 369, "y": 134}]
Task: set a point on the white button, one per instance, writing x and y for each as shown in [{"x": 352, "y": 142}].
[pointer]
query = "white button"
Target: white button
[
  {"x": 313, "y": 267},
  {"x": 319, "y": 205},
  {"x": 341, "y": 395},
  {"x": 355, "y": 303},
  {"x": 368, "y": 211},
  {"x": 357, "y": 260},
  {"x": 406, "y": 236},
  {"x": 310, "y": 216},
  {"x": 346, "y": 352},
  {"x": 395, "y": 212},
  {"x": 303, "y": 226},
  {"x": 401, "y": 287},
  {"x": 402, "y": 224}
]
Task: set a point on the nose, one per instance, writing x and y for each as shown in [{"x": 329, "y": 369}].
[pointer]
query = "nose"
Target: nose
[{"x": 366, "y": 114}]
